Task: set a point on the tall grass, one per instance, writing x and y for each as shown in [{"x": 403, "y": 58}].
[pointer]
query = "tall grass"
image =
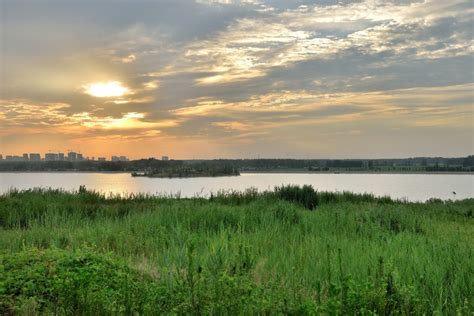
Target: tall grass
[{"x": 236, "y": 252}]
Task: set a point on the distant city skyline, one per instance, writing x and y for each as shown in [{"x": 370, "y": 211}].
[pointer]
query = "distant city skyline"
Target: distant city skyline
[
  {"x": 60, "y": 156},
  {"x": 238, "y": 79},
  {"x": 78, "y": 156},
  {"x": 69, "y": 156}
]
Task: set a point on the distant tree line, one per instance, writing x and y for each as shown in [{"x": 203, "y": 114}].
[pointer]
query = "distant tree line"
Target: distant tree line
[{"x": 147, "y": 165}]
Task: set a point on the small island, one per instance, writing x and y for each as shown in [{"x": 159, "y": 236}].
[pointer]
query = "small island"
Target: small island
[{"x": 189, "y": 172}]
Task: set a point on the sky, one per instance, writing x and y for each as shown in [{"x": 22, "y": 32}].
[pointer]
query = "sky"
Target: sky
[{"x": 237, "y": 79}]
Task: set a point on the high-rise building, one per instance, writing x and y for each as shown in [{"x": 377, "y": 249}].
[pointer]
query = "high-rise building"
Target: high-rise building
[
  {"x": 35, "y": 157},
  {"x": 61, "y": 156},
  {"x": 80, "y": 157},
  {"x": 13, "y": 158},
  {"x": 165, "y": 158},
  {"x": 1, "y": 157},
  {"x": 71, "y": 156},
  {"x": 25, "y": 157},
  {"x": 51, "y": 157}
]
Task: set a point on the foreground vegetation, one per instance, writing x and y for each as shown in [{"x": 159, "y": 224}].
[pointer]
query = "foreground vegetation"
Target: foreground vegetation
[{"x": 291, "y": 250}]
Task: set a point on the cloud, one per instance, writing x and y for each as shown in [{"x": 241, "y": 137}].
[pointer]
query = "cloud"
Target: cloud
[
  {"x": 250, "y": 47},
  {"x": 450, "y": 106},
  {"x": 128, "y": 59},
  {"x": 232, "y": 125},
  {"x": 243, "y": 72},
  {"x": 25, "y": 114},
  {"x": 19, "y": 116},
  {"x": 130, "y": 120}
]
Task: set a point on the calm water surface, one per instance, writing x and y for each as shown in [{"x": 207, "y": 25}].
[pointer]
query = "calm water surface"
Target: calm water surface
[{"x": 414, "y": 187}]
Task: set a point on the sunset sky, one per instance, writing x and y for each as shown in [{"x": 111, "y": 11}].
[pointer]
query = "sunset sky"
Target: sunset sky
[{"x": 237, "y": 79}]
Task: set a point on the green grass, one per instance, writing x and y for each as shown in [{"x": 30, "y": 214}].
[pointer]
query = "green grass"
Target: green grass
[{"x": 288, "y": 251}]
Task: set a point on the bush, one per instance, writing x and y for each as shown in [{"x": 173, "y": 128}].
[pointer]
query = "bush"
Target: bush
[
  {"x": 64, "y": 282},
  {"x": 306, "y": 196}
]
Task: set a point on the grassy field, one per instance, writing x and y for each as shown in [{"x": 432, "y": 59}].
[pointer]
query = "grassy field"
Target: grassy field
[{"x": 288, "y": 251}]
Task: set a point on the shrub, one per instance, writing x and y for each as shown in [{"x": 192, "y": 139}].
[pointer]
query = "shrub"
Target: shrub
[
  {"x": 306, "y": 196},
  {"x": 58, "y": 281}
]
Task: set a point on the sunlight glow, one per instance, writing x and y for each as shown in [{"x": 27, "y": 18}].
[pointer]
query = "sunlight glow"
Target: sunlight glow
[
  {"x": 129, "y": 120},
  {"x": 106, "y": 89}
]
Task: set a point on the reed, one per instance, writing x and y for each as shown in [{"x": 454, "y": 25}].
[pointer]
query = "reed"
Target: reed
[{"x": 234, "y": 252}]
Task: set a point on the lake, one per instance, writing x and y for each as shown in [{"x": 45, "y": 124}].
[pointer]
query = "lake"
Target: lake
[{"x": 414, "y": 187}]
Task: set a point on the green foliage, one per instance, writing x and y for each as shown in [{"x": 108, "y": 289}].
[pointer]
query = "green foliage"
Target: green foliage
[
  {"x": 33, "y": 206},
  {"x": 190, "y": 170},
  {"x": 232, "y": 166},
  {"x": 306, "y": 196},
  {"x": 57, "y": 281},
  {"x": 337, "y": 197},
  {"x": 234, "y": 253}
]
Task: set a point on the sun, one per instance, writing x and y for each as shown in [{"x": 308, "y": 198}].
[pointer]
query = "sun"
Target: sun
[{"x": 106, "y": 89}]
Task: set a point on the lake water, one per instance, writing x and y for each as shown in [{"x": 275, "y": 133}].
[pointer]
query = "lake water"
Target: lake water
[{"x": 414, "y": 187}]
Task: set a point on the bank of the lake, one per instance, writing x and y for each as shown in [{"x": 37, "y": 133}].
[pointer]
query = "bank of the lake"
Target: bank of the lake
[
  {"x": 289, "y": 251},
  {"x": 427, "y": 164},
  {"x": 304, "y": 171},
  {"x": 263, "y": 171}
]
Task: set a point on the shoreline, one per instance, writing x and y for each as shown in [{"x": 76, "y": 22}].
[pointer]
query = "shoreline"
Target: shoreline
[
  {"x": 356, "y": 172},
  {"x": 283, "y": 171},
  {"x": 64, "y": 171}
]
